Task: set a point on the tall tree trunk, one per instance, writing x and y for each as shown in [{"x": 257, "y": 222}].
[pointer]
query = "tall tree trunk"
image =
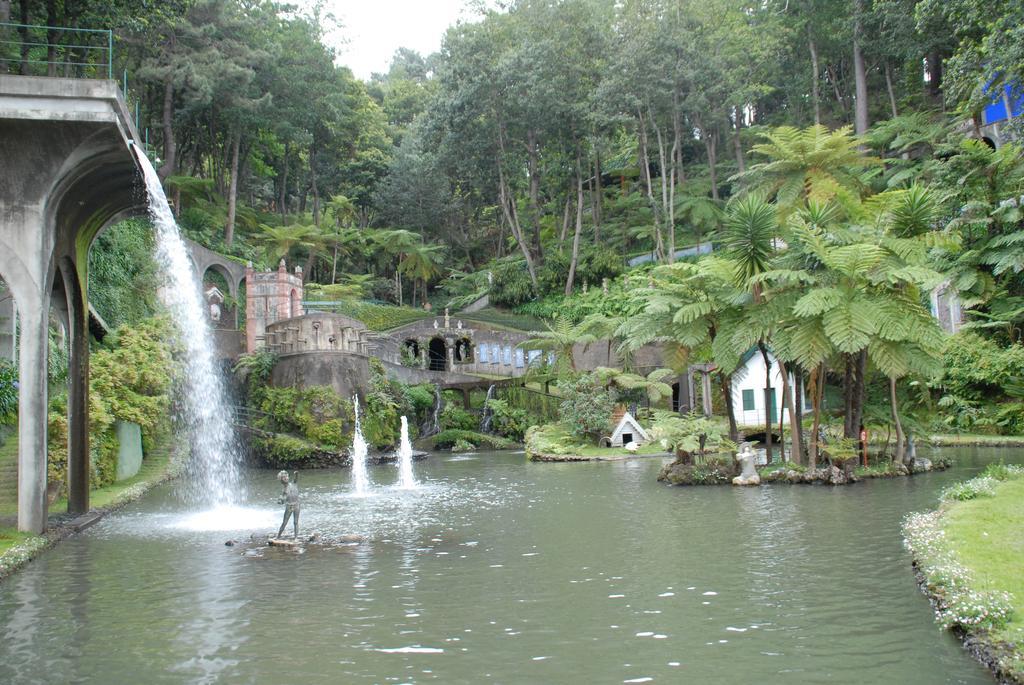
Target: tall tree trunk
[
  {"x": 52, "y": 37},
  {"x": 565, "y": 220},
  {"x": 848, "y": 427},
  {"x": 596, "y": 199},
  {"x": 229, "y": 230},
  {"x": 898, "y": 456},
  {"x": 5, "y": 10},
  {"x": 798, "y": 392},
  {"x": 934, "y": 74},
  {"x": 23, "y": 32},
  {"x": 815, "y": 78},
  {"x": 645, "y": 174},
  {"x": 817, "y": 392},
  {"x": 508, "y": 208},
  {"x": 170, "y": 166},
  {"x": 313, "y": 186},
  {"x": 768, "y": 394},
  {"x": 859, "y": 389},
  {"x": 737, "y": 143},
  {"x": 579, "y": 228},
  {"x": 665, "y": 183},
  {"x": 790, "y": 405},
  {"x": 284, "y": 187},
  {"x": 888, "y": 87},
  {"x": 726, "y": 384},
  {"x": 710, "y": 144},
  {"x": 860, "y": 112},
  {"x": 533, "y": 167}
]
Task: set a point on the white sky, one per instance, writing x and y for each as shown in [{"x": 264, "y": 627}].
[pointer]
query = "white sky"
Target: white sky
[{"x": 374, "y": 29}]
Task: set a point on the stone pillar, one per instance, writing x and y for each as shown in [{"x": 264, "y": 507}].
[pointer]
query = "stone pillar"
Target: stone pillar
[
  {"x": 685, "y": 403},
  {"x": 252, "y": 316},
  {"x": 690, "y": 395},
  {"x": 78, "y": 391},
  {"x": 424, "y": 352},
  {"x": 282, "y": 302},
  {"x": 32, "y": 406},
  {"x": 450, "y": 351},
  {"x": 705, "y": 379}
]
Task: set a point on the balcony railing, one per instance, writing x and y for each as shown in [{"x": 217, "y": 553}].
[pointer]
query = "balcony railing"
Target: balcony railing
[{"x": 56, "y": 51}]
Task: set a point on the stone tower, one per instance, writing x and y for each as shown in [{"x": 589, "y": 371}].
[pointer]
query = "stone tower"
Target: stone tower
[{"x": 270, "y": 296}]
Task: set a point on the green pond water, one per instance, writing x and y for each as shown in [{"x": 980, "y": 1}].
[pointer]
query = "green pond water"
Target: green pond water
[{"x": 495, "y": 571}]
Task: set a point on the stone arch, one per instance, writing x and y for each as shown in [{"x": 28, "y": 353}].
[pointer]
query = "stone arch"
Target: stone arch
[
  {"x": 411, "y": 348},
  {"x": 464, "y": 350},
  {"x": 988, "y": 141},
  {"x": 222, "y": 315},
  {"x": 437, "y": 354}
]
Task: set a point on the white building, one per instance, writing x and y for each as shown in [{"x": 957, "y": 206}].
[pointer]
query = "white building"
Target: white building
[{"x": 748, "y": 396}]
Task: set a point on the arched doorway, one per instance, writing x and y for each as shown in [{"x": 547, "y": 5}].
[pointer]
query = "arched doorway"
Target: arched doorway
[
  {"x": 438, "y": 355},
  {"x": 217, "y": 293}
]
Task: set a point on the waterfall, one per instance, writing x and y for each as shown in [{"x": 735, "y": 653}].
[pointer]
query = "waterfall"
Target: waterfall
[
  {"x": 488, "y": 415},
  {"x": 213, "y": 468},
  {"x": 360, "y": 480},
  {"x": 433, "y": 424},
  {"x": 405, "y": 477}
]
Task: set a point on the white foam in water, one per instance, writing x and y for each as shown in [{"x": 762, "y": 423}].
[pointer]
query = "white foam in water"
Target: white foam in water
[
  {"x": 405, "y": 477},
  {"x": 360, "y": 479},
  {"x": 213, "y": 468},
  {"x": 228, "y": 518},
  {"x": 411, "y": 650}
]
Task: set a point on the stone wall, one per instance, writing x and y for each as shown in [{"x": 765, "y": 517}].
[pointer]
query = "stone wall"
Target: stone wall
[{"x": 329, "y": 332}]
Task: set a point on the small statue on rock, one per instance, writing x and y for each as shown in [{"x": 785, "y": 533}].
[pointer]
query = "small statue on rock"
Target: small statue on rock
[
  {"x": 749, "y": 474},
  {"x": 290, "y": 499}
]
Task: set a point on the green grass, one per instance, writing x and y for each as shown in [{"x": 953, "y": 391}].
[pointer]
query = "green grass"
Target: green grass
[
  {"x": 987, "y": 535},
  {"x": 153, "y": 468},
  {"x": 956, "y": 439},
  {"x": 505, "y": 319},
  {"x": 11, "y": 536},
  {"x": 555, "y": 439}
]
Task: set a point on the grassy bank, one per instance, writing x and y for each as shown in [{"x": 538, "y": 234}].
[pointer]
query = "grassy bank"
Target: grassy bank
[{"x": 969, "y": 554}]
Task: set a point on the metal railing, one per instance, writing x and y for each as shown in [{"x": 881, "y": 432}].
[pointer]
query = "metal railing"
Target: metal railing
[{"x": 56, "y": 51}]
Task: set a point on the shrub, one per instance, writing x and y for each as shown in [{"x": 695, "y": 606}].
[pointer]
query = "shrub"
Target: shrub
[
  {"x": 458, "y": 419},
  {"x": 283, "y": 449},
  {"x": 510, "y": 422},
  {"x": 586, "y": 407},
  {"x": 983, "y": 486},
  {"x": 380, "y": 423},
  {"x": 1003, "y": 471},
  {"x": 451, "y": 437},
  {"x": 511, "y": 285},
  {"x": 8, "y": 392}
]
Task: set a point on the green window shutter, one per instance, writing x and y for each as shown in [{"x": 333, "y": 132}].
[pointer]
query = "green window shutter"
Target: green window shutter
[
  {"x": 748, "y": 400},
  {"x": 775, "y": 406}
]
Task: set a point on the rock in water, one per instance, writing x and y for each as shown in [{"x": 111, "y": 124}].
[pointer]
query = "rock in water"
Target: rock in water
[
  {"x": 921, "y": 464},
  {"x": 277, "y": 542}
]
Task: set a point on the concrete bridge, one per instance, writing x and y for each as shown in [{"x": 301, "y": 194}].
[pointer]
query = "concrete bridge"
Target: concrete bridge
[{"x": 68, "y": 172}]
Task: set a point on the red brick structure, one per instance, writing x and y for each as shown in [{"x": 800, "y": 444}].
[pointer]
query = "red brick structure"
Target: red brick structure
[{"x": 270, "y": 296}]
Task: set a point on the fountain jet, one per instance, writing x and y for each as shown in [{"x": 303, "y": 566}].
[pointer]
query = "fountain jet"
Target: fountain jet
[
  {"x": 360, "y": 479},
  {"x": 405, "y": 477}
]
